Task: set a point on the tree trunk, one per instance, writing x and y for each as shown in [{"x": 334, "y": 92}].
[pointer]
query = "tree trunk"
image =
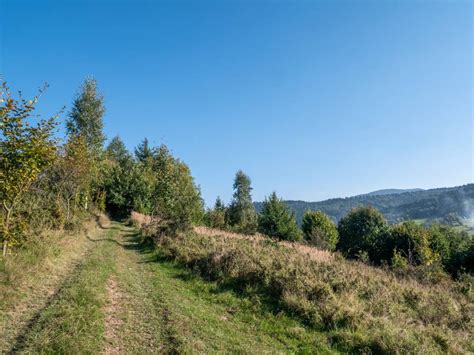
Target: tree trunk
[{"x": 6, "y": 227}]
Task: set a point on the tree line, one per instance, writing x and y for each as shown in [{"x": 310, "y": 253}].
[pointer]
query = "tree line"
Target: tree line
[
  {"x": 363, "y": 233},
  {"x": 49, "y": 182}
]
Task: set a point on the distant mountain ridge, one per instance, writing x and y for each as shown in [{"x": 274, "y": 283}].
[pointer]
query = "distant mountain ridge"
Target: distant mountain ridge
[
  {"x": 390, "y": 192},
  {"x": 429, "y": 205}
]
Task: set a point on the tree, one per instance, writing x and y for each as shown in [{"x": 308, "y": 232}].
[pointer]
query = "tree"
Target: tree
[
  {"x": 411, "y": 241},
  {"x": 276, "y": 220},
  {"x": 319, "y": 230},
  {"x": 143, "y": 152},
  {"x": 85, "y": 118},
  {"x": 26, "y": 151},
  {"x": 71, "y": 175},
  {"x": 215, "y": 217},
  {"x": 241, "y": 213},
  {"x": 178, "y": 199},
  {"x": 360, "y": 231},
  {"x": 117, "y": 152}
]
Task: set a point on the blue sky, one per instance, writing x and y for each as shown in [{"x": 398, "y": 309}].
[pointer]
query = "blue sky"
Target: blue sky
[{"x": 313, "y": 99}]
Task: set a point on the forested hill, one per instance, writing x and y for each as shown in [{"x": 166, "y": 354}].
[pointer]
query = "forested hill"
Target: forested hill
[{"x": 434, "y": 204}]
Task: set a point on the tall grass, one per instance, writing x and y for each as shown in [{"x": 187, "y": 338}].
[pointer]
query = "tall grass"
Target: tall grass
[{"x": 360, "y": 308}]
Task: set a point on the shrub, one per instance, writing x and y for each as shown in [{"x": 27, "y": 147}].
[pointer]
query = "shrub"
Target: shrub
[
  {"x": 412, "y": 242},
  {"x": 319, "y": 230}
]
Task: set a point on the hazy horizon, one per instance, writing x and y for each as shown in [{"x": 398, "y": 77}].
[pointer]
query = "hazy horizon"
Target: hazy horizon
[{"x": 314, "y": 100}]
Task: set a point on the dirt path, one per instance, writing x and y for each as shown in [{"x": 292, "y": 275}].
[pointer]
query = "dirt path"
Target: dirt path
[{"x": 113, "y": 323}]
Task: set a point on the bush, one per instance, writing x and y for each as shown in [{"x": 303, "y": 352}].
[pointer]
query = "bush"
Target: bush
[
  {"x": 411, "y": 241},
  {"x": 319, "y": 230}
]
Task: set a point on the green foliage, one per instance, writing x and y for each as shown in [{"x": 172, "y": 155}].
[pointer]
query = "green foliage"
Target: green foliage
[
  {"x": 70, "y": 178},
  {"x": 276, "y": 220},
  {"x": 26, "y": 151},
  {"x": 412, "y": 242},
  {"x": 398, "y": 261},
  {"x": 241, "y": 215},
  {"x": 117, "y": 152},
  {"x": 360, "y": 231},
  {"x": 215, "y": 217},
  {"x": 85, "y": 118},
  {"x": 319, "y": 230},
  {"x": 144, "y": 152},
  {"x": 454, "y": 247},
  {"x": 178, "y": 200}
]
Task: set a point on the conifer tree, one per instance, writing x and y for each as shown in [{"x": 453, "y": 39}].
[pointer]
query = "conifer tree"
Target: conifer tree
[
  {"x": 276, "y": 220},
  {"x": 241, "y": 214},
  {"x": 144, "y": 152}
]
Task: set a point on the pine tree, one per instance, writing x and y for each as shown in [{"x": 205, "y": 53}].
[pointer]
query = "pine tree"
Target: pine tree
[
  {"x": 276, "y": 220},
  {"x": 219, "y": 205},
  {"x": 143, "y": 152},
  {"x": 85, "y": 118},
  {"x": 241, "y": 214}
]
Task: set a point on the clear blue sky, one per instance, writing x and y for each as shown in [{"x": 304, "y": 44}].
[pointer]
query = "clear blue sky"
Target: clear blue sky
[{"x": 313, "y": 99}]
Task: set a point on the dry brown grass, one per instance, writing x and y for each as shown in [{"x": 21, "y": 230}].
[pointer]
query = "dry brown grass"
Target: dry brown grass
[
  {"x": 140, "y": 220},
  {"x": 310, "y": 252}
]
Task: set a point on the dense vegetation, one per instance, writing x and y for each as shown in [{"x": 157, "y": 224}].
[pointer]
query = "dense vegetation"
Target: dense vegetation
[
  {"x": 445, "y": 205},
  {"x": 375, "y": 304},
  {"x": 49, "y": 183}
]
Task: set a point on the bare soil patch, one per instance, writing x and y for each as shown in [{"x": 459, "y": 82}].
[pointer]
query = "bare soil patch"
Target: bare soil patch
[{"x": 113, "y": 322}]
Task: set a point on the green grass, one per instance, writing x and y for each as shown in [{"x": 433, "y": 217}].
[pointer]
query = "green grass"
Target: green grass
[
  {"x": 190, "y": 314},
  {"x": 219, "y": 295},
  {"x": 160, "y": 307},
  {"x": 73, "y": 322}
]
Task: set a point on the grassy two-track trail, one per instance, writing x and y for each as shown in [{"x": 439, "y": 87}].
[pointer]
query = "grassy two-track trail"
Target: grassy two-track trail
[{"x": 111, "y": 294}]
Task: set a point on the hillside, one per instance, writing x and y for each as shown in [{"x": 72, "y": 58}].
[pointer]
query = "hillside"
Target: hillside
[
  {"x": 425, "y": 205},
  {"x": 390, "y": 192}
]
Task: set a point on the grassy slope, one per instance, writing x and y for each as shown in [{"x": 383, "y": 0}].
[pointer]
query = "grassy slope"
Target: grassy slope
[
  {"x": 358, "y": 308},
  {"x": 121, "y": 298}
]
